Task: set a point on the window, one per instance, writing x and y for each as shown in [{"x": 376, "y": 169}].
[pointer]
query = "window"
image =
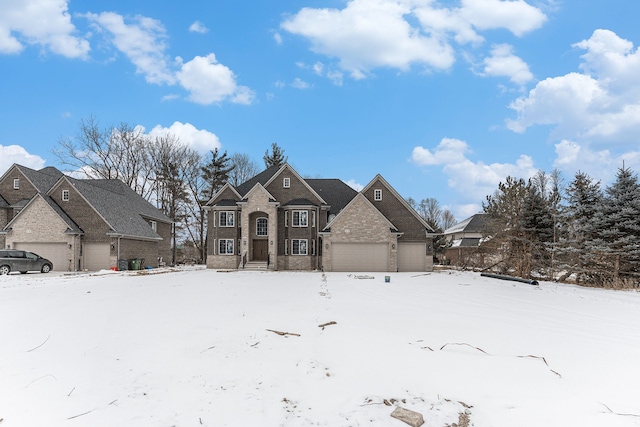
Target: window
[
  {"x": 154, "y": 225},
  {"x": 261, "y": 227},
  {"x": 286, "y": 182},
  {"x": 226, "y": 219},
  {"x": 377, "y": 195},
  {"x": 16, "y": 183},
  {"x": 225, "y": 247},
  {"x": 313, "y": 218},
  {"x": 65, "y": 195},
  {"x": 298, "y": 246},
  {"x": 300, "y": 218}
]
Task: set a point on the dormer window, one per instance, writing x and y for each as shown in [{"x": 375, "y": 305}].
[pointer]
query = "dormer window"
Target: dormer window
[
  {"x": 286, "y": 182},
  {"x": 16, "y": 183},
  {"x": 154, "y": 225},
  {"x": 65, "y": 195},
  {"x": 377, "y": 195}
]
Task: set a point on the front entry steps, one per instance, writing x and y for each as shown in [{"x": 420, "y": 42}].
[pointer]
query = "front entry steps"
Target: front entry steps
[{"x": 255, "y": 266}]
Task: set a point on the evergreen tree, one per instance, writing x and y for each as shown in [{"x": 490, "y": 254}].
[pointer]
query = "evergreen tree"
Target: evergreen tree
[
  {"x": 275, "y": 158},
  {"x": 537, "y": 230},
  {"x": 618, "y": 230},
  {"x": 502, "y": 231},
  {"x": 215, "y": 173},
  {"x": 584, "y": 199}
]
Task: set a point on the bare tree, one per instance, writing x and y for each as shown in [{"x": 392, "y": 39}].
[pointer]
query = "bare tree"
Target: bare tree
[
  {"x": 243, "y": 169},
  {"x": 447, "y": 219},
  {"x": 109, "y": 153}
]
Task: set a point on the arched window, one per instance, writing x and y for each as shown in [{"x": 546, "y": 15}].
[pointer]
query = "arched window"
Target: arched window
[{"x": 261, "y": 227}]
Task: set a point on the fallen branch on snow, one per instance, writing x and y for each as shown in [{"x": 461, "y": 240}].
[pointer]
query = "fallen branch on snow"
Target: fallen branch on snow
[
  {"x": 43, "y": 343},
  {"x": 284, "y": 333},
  {"x": 488, "y": 354},
  {"x": 327, "y": 324},
  {"x": 617, "y": 413}
]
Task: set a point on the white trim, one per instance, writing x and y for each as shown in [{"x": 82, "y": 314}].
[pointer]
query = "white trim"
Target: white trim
[
  {"x": 377, "y": 194},
  {"x": 229, "y": 215},
  {"x": 65, "y": 195},
  {"x": 306, "y": 246},
  {"x": 266, "y": 229},
  {"x": 226, "y": 248},
  {"x": 286, "y": 218},
  {"x": 313, "y": 219},
  {"x": 286, "y": 182},
  {"x": 154, "y": 225},
  {"x": 300, "y": 217},
  {"x": 286, "y": 246},
  {"x": 16, "y": 183}
]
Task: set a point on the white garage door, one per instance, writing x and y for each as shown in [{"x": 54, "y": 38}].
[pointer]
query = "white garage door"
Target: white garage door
[
  {"x": 360, "y": 257},
  {"x": 96, "y": 256},
  {"x": 411, "y": 256},
  {"x": 57, "y": 253}
]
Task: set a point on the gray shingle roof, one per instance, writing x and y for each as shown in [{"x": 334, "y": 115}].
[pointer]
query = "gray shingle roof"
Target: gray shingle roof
[
  {"x": 300, "y": 202},
  {"x": 72, "y": 226},
  {"x": 42, "y": 179},
  {"x": 473, "y": 224},
  {"x": 262, "y": 178},
  {"x": 3, "y": 203},
  {"x": 335, "y": 192},
  {"x": 120, "y": 206}
]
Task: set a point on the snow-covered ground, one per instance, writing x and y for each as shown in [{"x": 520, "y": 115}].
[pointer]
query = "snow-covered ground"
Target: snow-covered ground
[{"x": 194, "y": 348}]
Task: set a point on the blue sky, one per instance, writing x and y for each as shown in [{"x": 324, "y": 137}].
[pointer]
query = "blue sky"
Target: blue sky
[{"x": 443, "y": 98}]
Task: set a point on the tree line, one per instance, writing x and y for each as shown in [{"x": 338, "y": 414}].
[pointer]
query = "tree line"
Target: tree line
[
  {"x": 580, "y": 231},
  {"x": 163, "y": 170}
]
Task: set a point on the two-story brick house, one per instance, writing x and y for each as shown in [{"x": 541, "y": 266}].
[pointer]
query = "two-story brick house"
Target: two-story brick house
[
  {"x": 285, "y": 222},
  {"x": 79, "y": 224}
]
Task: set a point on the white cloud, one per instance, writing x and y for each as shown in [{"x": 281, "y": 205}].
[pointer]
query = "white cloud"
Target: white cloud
[
  {"x": 354, "y": 184},
  {"x": 40, "y": 22},
  {"x": 199, "y": 139},
  {"x": 600, "y": 105},
  {"x": 277, "y": 37},
  {"x": 298, "y": 83},
  {"x": 503, "y": 62},
  {"x": 517, "y": 16},
  {"x": 600, "y": 164},
  {"x": 210, "y": 82},
  {"x": 367, "y": 34},
  {"x": 198, "y": 27},
  {"x": 10, "y": 154},
  {"x": 472, "y": 180},
  {"x": 142, "y": 41}
]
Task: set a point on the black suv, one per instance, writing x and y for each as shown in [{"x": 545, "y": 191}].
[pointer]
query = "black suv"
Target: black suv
[{"x": 23, "y": 261}]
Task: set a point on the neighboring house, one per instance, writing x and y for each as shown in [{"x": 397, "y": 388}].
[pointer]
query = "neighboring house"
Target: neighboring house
[
  {"x": 285, "y": 222},
  {"x": 464, "y": 240},
  {"x": 79, "y": 224}
]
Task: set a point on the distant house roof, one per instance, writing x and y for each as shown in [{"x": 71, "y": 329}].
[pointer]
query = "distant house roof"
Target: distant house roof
[
  {"x": 473, "y": 224},
  {"x": 466, "y": 242}
]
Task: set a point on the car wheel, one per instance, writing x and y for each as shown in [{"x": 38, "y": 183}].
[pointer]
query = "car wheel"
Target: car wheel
[
  {"x": 4, "y": 269},
  {"x": 46, "y": 268}
]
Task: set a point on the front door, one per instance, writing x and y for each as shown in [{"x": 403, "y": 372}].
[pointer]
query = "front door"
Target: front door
[{"x": 260, "y": 250}]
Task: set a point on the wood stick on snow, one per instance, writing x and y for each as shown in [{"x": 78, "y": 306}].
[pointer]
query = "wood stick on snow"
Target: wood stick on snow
[{"x": 284, "y": 333}]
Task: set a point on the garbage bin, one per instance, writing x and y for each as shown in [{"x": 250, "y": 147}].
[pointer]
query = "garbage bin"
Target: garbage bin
[
  {"x": 134, "y": 263},
  {"x": 123, "y": 264}
]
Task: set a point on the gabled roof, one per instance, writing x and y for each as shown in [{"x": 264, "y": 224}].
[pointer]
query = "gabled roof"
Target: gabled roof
[
  {"x": 258, "y": 187},
  {"x": 262, "y": 178},
  {"x": 400, "y": 198},
  {"x": 217, "y": 194},
  {"x": 42, "y": 179},
  {"x": 124, "y": 211},
  {"x": 293, "y": 171},
  {"x": 72, "y": 227},
  {"x": 361, "y": 197},
  {"x": 3, "y": 202},
  {"x": 335, "y": 192},
  {"x": 473, "y": 224}
]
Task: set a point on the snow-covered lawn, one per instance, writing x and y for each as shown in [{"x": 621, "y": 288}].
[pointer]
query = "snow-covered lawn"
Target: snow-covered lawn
[{"x": 194, "y": 348}]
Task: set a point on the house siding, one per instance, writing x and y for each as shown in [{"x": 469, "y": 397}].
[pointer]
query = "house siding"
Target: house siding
[{"x": 4, "y": 215}]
